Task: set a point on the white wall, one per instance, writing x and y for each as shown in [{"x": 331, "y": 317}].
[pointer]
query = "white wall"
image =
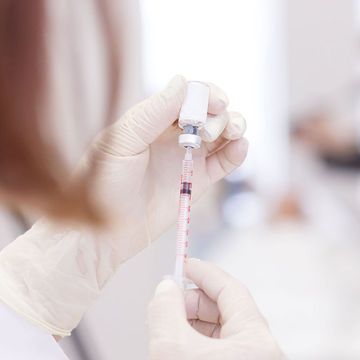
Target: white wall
[
  {"x": 321, "y": 52},
  {"x": 239, "y": 45}
]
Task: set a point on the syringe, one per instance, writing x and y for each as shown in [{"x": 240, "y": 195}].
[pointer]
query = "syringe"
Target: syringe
[
  {"x": 192, "y": 117},
  {"x": 183, "y": 224}
]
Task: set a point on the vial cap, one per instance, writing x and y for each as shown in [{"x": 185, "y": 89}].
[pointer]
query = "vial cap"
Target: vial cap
[
  {"x": 194, "y": 109},
  {"x": 190, "y": 140}
]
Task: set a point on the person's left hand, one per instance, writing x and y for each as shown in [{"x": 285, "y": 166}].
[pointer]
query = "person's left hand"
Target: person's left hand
[{"x": 140, "y": 160}]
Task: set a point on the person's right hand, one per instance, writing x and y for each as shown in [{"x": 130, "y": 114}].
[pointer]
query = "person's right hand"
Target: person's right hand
[{"x": 218, "y": 321}]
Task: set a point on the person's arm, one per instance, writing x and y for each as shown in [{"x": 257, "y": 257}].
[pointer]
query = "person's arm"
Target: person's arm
[
  {"x": 218, "y": 321},
  {"x": 51, "y": 274},
  {"x": 21, "y": 340}
]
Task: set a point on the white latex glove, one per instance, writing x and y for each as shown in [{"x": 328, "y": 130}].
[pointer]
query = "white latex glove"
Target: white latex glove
[
  {"x": 51, "y": 274},
  {"x": 144, "y": 146},
  {"x": 218, "y": 321}
]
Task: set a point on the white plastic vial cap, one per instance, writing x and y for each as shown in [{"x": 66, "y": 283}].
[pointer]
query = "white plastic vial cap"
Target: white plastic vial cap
[{"x": 194, "y": 109}]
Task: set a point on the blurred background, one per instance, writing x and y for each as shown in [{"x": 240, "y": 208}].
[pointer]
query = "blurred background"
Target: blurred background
[{"x": 288, "y": 222}]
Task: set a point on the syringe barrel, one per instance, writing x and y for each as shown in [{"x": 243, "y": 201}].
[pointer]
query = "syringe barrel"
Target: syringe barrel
[{"x": 182, "y": 231}]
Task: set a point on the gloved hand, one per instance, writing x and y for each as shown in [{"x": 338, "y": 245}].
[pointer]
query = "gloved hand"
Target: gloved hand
[
  {"x": 139, "y": 160},
  {"x": 51, "y": 274},
  {"x": 215, "y": 322}
]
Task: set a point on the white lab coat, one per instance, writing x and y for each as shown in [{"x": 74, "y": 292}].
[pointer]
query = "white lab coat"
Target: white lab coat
[{"x": 21, "y": 340}]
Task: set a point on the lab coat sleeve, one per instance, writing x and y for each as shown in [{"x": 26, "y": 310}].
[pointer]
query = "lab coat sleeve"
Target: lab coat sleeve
[{"x": 21, "y": 340}]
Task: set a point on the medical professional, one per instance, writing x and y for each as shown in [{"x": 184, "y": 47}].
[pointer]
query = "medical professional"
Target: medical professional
[{"x": 99, "y": 217}]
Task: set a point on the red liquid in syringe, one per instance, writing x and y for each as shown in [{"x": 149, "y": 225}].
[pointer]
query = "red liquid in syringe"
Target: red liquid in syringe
[{"x": 183, "y": 223}]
